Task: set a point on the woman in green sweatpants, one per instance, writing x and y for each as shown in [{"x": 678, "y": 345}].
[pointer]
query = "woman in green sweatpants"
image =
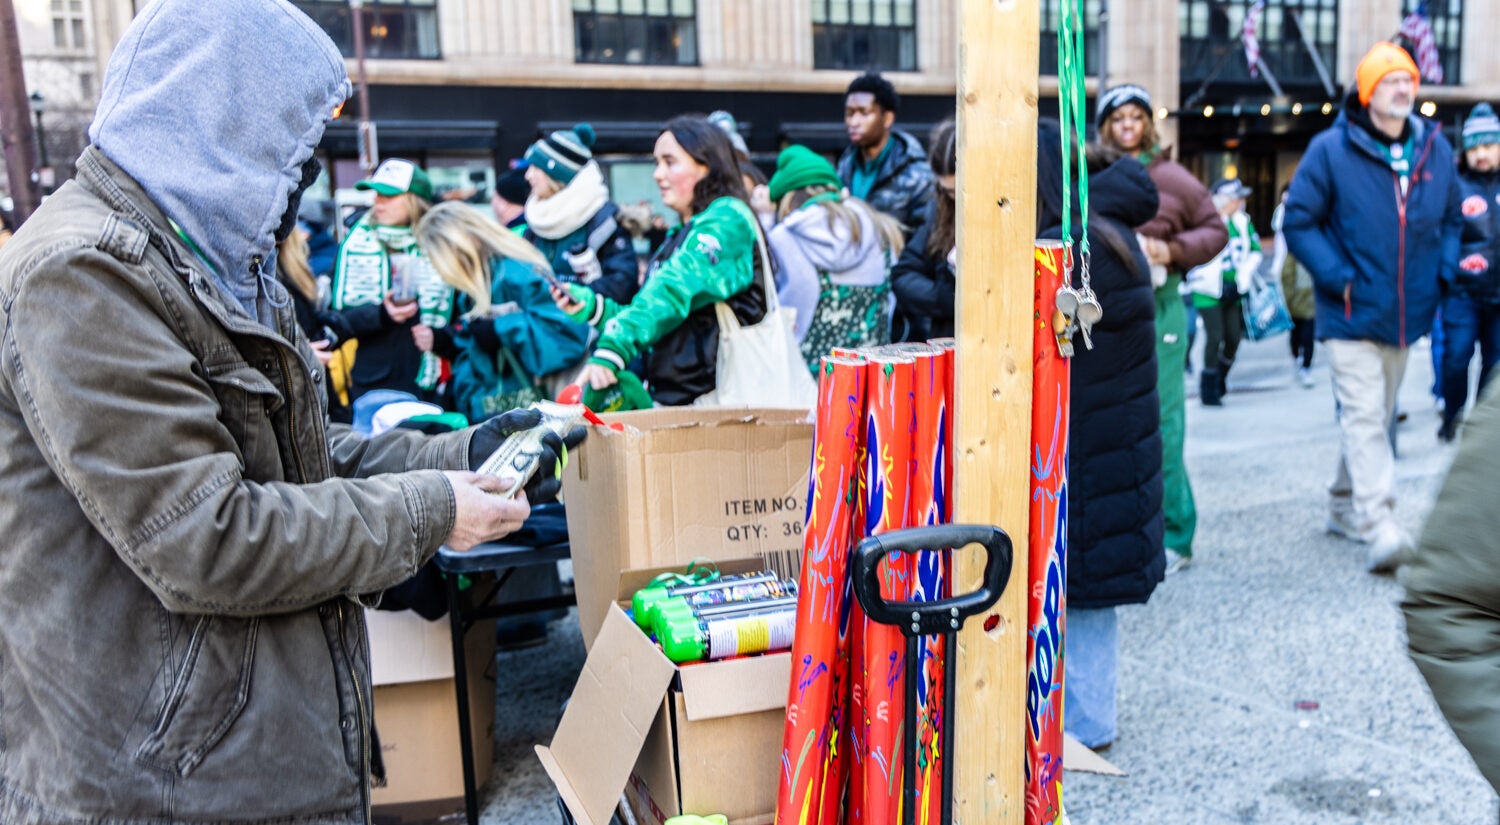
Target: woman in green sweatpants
[
  {"x": 1186, "y": 232},
  {"x": 1181, "y": 514}
]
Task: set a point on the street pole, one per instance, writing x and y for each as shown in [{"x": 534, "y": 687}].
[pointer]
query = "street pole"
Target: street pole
[
  {"x": 1104, "y": 48},
  {"x": 15, "y": 121},
  {"x": 998, "y": 88},
  {"x": 369, "y": 152},
  {"x": 44, "y": 172},
  {"x": 41, "y": 136}
]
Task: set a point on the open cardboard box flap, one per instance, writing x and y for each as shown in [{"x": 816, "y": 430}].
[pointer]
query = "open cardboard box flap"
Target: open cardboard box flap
[
  {"x": 736, "y": 687},
  {"x": 668, "y": 417},
  {"x": 605, "y": 725}
]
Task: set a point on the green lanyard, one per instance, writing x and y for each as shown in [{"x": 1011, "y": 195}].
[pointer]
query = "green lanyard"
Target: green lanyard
[
  {"x": 1071, "y": 96},
  {"x": 183, "y": 236}
]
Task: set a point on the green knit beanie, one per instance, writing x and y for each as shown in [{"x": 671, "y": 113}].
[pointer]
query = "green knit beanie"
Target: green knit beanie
[{"x": 798, "y": 168}]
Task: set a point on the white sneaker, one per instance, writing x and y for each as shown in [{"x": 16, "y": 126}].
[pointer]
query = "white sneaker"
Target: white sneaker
[
  {"x": 1176, "y": 561},
  {"x": 1342, "y": 523},
  {"x": 1304, "y": 377},
  {"x": 1388, "y": 545}
]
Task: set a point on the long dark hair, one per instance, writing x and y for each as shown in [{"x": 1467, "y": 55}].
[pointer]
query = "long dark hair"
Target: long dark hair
[
  {"x": 943, "y": 155},
  {"x": 707, "y": 144},
  {"x": 1049, "y": 196}
]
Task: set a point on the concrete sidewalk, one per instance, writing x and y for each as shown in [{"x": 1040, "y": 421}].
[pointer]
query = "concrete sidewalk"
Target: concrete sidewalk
[
  {"x": 1274, "y": 612},
  {"x": 1269, "y": 682}
]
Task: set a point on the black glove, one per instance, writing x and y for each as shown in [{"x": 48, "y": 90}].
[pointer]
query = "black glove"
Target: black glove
[
  {"x": 545, "y": 482},
  {"x": 485, "y": 336}
]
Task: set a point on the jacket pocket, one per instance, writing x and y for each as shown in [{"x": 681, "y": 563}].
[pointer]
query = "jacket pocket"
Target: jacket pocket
[
  {"x": 208, "y": 693},
  {"x": 247, "y": 400}
]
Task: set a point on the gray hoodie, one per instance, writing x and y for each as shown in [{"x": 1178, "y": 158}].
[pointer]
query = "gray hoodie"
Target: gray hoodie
[
  {"x": 224, "y": 182},
  {"x": 805, "y": 245}
]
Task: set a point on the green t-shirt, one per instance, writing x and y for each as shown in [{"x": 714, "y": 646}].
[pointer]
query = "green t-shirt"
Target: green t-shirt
[{"x": 864, "y": 173}]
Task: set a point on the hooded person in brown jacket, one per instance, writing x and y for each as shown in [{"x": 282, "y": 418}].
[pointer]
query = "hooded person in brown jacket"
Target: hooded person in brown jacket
[
  {"x": 1452, "y": 603},
  {"x": 187, "y": 539},
  {"x": 1185, "y": 233}
]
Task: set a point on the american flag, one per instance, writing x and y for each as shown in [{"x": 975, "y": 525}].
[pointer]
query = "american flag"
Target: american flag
[
  {"x": 1249, "y": 35},
  {"x": 1418, "y": 32}
]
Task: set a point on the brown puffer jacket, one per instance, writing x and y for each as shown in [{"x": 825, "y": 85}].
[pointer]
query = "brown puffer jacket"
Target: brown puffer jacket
[{"x": 1186, "y": 219}]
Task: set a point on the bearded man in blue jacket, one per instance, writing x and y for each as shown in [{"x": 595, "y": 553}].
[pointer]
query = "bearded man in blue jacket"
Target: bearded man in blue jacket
[{"x": 1374, "y": 214}]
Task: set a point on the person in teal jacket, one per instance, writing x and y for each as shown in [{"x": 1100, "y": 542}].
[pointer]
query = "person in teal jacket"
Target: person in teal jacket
[
  {"x": 572, "y": 221},
  {"x": 712, "y": 257},
  {"x": 511, "y": 335}
]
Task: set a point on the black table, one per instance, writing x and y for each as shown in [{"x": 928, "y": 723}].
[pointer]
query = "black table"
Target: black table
[{"x": 534, "y": 544}]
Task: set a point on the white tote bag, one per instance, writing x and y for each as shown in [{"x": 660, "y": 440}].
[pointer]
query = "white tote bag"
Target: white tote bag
[{"x": 761, "y": 365}]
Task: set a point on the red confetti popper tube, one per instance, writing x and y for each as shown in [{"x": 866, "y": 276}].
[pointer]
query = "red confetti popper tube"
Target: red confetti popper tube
[
  {"x": 812, "y": 762},
  {"x": 875, "y": 789},
  {"x": 1047, "y": 546}
]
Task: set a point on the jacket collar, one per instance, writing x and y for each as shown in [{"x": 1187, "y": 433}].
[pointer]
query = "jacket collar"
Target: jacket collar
[
  {"x": 106, "y": 180},
  {"x": 902, "y": 151},
  {"x": 1420, "y": 131}
]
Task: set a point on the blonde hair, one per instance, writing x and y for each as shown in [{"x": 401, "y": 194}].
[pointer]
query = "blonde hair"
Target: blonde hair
[
  {"x": 844, "y": 211},
  {"x": 291, "y": 259},
  {"x": 460, "y": 242},
  {"x": 416, "y": 208}
]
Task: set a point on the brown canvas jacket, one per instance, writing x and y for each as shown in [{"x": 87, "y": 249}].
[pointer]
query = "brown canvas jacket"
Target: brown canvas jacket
[{"x": 180, "y": 640}]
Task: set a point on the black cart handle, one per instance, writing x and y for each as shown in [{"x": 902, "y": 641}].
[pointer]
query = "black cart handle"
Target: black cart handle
[{"x": 947, "y": 615}]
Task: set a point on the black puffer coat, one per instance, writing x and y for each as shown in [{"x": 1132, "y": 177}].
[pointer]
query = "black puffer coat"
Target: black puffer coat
[
  {"x": 1115, "y": 553},
  {"x": 924, "y": 288}
]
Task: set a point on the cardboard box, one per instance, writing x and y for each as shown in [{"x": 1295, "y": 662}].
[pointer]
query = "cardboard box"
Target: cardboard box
[
  {"x": 703, "y": 738},
  {"x": 416, "y": 713},
  {"x": 680, "y": 484}
]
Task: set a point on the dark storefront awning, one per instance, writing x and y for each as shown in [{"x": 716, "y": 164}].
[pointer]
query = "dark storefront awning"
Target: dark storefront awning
[{"x": 415, "y": 137}]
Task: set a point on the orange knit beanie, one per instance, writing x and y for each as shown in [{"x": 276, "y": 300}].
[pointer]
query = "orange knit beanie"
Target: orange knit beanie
[{"x": 1381, "y": 60}]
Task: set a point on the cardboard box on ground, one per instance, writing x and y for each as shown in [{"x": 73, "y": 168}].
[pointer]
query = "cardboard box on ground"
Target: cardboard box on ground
[
  {"x": 682, "y": 484},
  {"x": 698, "y": 738},
  {"x": 416, "y": 714}
]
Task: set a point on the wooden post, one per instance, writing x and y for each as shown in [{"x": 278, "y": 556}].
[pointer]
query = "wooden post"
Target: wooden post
[
  {"x": 19, "y": 141},
  {"x": 997, "y": 113}
]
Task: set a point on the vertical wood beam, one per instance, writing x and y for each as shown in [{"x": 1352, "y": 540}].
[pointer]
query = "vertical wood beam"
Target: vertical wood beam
[{"x": 997, "y": 113}]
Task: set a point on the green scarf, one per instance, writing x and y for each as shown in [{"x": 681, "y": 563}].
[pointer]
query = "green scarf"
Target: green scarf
[{"x": 363, "y": 277}]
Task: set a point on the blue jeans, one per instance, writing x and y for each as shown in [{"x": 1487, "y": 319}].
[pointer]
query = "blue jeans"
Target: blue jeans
[
  {"x": 1090, "y": 667},
  {"x": 1466, "y": 322}
]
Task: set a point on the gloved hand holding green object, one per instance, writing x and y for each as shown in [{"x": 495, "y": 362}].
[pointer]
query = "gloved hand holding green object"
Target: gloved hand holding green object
[{"x": 628, "y": 394}]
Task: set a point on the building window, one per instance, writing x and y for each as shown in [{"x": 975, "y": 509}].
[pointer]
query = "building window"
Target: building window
[
  {"x": 394, "y": 29},
  {"x": 67, "y": 25},
  {"x": 1289, "y": 31},
  {"x": 1446, "y": 17},
  {"x": 1051, "y": 19},
  {"x": 865, "y": 34},
  {"x": 641, "y": 32}
]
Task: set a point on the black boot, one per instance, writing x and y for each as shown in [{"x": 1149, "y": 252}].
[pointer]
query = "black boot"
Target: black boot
[
  {"x": 1449, "y": 430},
  {"x": 1210, "y": 388},
  {"x": 1224, "y": 365}
]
